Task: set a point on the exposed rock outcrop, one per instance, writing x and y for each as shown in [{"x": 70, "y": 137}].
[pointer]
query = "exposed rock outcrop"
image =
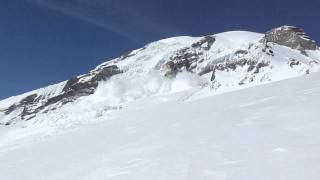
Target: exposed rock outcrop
[
  {"x": 187, "y": 58},
  {"x": 183, "y": 59},
  {"x": 205, "y": 43}
]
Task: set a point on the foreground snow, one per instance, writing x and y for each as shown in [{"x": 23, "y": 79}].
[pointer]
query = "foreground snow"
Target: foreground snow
[{"x": 265, "y": 132}]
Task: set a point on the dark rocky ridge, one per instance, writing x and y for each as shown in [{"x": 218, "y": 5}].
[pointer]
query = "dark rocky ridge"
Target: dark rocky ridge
[
  {"x": 73, "y": 89},
  {"x": 292, "y": 37}
]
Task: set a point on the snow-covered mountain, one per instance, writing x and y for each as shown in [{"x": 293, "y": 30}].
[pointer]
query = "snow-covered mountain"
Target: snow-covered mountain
[
  {"x": 149, "y": 114},
  {"x": 210, "y": 64}
]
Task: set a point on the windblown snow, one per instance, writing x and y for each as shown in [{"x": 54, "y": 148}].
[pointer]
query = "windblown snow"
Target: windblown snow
[{"x": 180, "y": 108}]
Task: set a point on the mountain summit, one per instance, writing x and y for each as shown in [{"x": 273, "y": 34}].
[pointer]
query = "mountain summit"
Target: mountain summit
[{"x": 204, "y": 65}]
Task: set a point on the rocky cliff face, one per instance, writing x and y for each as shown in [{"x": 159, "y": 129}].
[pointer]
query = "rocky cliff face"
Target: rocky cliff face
[{"x": 225, "y": 60}]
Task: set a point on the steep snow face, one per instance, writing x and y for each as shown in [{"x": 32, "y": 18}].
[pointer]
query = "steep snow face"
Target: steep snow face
[
  {"x": 203, "y": 66},
  {"x": 237, "y": 39},
  {"x": 265, "y": 132}
]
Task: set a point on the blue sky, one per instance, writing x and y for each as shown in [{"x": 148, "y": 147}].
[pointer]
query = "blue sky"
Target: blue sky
[{"x": 47, "y": 41}]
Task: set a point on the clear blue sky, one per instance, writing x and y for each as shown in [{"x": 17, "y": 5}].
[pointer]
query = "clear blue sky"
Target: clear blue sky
[{"x": 47, "y": 41}]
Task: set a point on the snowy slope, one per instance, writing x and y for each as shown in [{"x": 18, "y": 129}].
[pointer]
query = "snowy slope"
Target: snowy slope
[
  {"x": 170, "y": 110},
  {"x": 260, "y": 133}
]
